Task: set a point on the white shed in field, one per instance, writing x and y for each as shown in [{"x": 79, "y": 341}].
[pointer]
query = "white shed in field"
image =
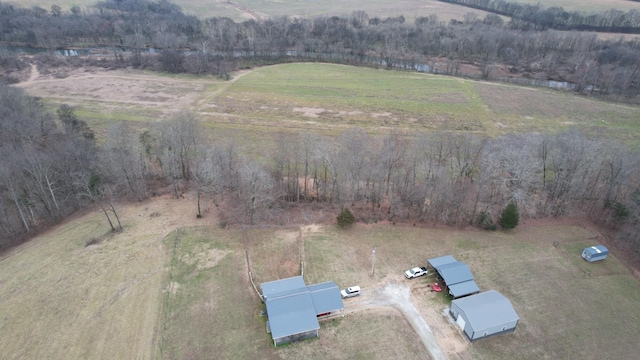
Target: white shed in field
[
  {"x": 595, "y": 253},
  {"x": 485, "y": 314}
]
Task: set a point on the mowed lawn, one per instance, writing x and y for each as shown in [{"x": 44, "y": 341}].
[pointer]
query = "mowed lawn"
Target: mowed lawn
[
  {"x": 134, "y": 295},
  {"x": 568, "y": 308}
]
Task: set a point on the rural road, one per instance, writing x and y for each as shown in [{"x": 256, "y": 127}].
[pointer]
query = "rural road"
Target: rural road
[{"x": 397, "y": 296}]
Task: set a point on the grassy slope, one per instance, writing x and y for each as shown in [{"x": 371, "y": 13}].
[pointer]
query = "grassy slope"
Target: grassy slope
[
  {"x": 61, "y": 300},
  {"x": 328, "y": 98},
  {"x": 343, "y": 96}
]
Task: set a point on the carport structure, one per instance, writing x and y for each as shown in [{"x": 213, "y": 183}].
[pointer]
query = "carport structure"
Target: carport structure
[
  {"x": 293, "y": 307},
  {"x": 455, "y": 275}
]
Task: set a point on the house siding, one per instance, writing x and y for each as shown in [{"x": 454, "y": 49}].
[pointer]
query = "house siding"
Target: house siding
[{"x": 295, "y": 337}]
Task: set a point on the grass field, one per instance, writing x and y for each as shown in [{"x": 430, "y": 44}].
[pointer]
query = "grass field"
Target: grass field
[
  {"x": 408, "y": 8},
  {"x": 327, "y": 99},
  {"x": 561, "y": 308},
  {"x": 247, "y": 9},
  {"x": 210, "y": 307},
  {"x": 154, "y": 292},
  {"x": 60, "y": 299}
]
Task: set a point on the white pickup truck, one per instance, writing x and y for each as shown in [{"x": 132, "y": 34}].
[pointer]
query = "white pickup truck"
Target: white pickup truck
[{"x": 415, "y": 272}]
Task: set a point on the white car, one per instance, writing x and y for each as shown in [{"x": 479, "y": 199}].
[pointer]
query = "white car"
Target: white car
[{"x": 350, "y": 292}]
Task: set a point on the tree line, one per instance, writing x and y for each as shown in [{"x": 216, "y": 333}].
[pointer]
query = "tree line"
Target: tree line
[
  {"x": 51, "y": 166},
  {"x": 218, "y": 45},
  {"x": 528, "y": 16}
]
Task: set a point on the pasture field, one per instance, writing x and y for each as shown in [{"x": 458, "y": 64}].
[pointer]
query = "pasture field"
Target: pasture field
[
  {"x": 410, "y": 9},
  {"x": 259, "y": 9},
  {"x": 327, "y": 99},
  {"x": 152, "y": 291},
  {"x": 61, "y": 299},
  {"x": 211, "y": 308},
  {"x": 561, "y": 308}
]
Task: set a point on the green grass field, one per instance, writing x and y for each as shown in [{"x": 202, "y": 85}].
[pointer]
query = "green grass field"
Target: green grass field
[{"x": 327, "y": 99}]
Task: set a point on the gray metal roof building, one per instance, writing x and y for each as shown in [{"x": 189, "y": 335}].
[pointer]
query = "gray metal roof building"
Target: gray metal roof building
[
  {"x": 595, "y": 253},
  {"x": 485, "y": 314},
  {"x": 455, "y": 275},
  {"x": 293, "y": 307}
]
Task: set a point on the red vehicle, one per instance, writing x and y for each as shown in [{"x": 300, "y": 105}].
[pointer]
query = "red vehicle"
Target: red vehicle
[{"x": 436, "y": 287}]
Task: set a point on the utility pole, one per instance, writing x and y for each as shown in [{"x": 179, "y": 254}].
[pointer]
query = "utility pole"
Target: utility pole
[{"x": 373, "y": 262}]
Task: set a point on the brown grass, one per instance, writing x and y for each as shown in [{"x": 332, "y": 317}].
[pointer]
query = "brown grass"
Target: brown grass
[
  {"x": 133, "y": 295},
  {"x": 64, "y": 300}
]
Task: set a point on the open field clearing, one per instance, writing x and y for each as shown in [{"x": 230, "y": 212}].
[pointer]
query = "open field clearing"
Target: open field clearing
[
  {"x": 561, "y": 309},
  {"x": 211, "y": 308},
  {"x": 328, "y": 99},
  {"x": 585, "y": 5},
  {"x": 556, "y": 298},
  {"x": 260, "y": 9},
  {"x": 61, "y": 299},
  {"x": 152, "y": 292}
]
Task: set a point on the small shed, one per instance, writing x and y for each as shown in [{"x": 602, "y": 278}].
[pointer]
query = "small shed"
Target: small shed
[
  {"x": 595, "y": 253},
  {"x": 485, "y": 314}
]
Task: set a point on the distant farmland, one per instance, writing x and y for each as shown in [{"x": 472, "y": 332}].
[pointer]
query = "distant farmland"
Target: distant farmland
[
  {"x": 243, "y": 10},
  {"x": 328, "y": 99}
]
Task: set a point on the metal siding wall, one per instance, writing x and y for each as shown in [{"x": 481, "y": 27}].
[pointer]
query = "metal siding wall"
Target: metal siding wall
[
  {"x": 296, "y": 337},
  {"x": 495, "y": 330}
]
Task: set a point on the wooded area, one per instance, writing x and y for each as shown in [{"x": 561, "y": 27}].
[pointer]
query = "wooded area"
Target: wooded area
[
  {"x": 537, "y": 17},
  {"x": 50, "y": 169},
  {"x": 218, "y": 45}
]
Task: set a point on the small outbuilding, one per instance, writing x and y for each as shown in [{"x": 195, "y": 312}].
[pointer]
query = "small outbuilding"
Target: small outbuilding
[
  {"x": 293, "y": 307},
  {"x": 485, "y": 314},
  {"x": 595, "y": 253}
]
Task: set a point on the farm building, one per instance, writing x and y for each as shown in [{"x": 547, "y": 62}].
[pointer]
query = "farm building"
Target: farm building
[
  {"x": 455, "y": 275},
  {"x": 293, "y": 307},
  {"x": 595, "y": 253},
  {"x": 485, "y": 314}
]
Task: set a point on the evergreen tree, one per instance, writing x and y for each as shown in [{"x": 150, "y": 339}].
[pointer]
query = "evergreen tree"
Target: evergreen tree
[
  {"x": 510, "y": 216},
  {"x": 346, "y": 218}
]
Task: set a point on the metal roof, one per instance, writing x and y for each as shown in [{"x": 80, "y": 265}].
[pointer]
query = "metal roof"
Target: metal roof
[
  {"x": 442, "y": 260},
  {"x": 598, "y": 249},
  {"x": 486, "y": 310},
  {"x": 464, "y": 288},
  {"x": 455, "y": 273},
  {"x": 326, "y": 297},
  {"x": 292, "y": 306},
  {"x": 278, "y": 286},
  {"x": 291, "y": 314}
]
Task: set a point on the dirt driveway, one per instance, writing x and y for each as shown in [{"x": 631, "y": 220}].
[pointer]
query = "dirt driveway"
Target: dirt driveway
[{"x": 393, "y": 294}]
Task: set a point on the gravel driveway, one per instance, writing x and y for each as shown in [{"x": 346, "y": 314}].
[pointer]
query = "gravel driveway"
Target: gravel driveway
[{"x": 397, "y": 296}]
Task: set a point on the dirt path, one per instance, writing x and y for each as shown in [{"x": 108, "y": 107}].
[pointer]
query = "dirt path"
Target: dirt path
[
  {"x": 32, "y": 77},
  {"x": 397, "y": 296},
  {"x": 250, "y": 13}
]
